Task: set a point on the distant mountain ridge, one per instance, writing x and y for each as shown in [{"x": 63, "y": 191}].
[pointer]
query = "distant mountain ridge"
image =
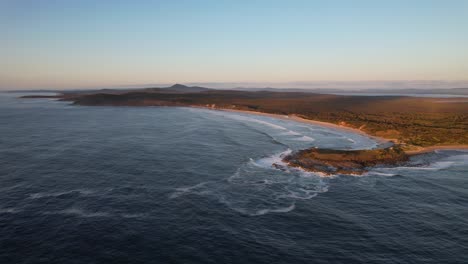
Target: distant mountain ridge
[
  {"x": 176, "y": 88},
  {"x": 449, "y": 91},
  {"x": 186, "y": 89},
  {"x": 180, "y": 88}
]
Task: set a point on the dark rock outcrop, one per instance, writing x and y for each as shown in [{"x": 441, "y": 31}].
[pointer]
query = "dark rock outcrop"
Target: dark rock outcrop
[{"x": 330, "y": 161}]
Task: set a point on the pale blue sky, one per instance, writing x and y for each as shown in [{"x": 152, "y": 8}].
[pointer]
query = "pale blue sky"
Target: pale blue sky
[{"x": 76, "y": 44}]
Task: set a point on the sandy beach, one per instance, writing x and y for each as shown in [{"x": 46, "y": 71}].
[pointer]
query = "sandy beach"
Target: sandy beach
[
  {"x": 380, "y": 140},
  {"x": 296, "y": 118}
]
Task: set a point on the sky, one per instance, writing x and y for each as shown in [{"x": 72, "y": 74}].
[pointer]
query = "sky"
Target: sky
[{"x": 66, "y": 44}]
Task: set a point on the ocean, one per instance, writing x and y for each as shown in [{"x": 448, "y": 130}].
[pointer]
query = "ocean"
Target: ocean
[{"x": 83, "y": 184}]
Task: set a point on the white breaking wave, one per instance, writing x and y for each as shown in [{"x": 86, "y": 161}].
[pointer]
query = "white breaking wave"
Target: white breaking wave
[
  {"x": 268, "y": 162},
  {"x": 243, "y": 118},
  {"x": 9, "y": 210},
  {"x": 185, "y": 190},
  {"x": 380, "y": 173},
  {"x": 275, "y": 210},
  {"x": 79, "y": 212},
  {"x": 57, "y": 194},
  {"x": 133, "y": 215},
  {"x": 451, "y": 161},
  {"x": 6, "y": 188},
  {"x": 305, "y": 138},
  {"x": 87, "y": 214},
  {"x": 439, "y": 165},
  {"x": 267, "y": 185},
  {"x": 291, "y": 133},
  {"x": 461, "y": 159},
  {"x": 257, "y": 187},
  {"x": 267, "y": 124},
  {"x": 303, "y": 193},
  {"x": 357, "y": 141}
]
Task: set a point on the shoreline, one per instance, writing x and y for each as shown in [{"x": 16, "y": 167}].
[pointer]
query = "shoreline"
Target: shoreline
[
  {"x": 423, "y": 150},
  {"x": 379, "y": 140},
  {"x": 415, "y": 150}
]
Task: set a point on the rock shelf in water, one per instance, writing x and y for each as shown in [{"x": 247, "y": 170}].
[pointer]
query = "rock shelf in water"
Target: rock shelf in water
[{"x": 330, "y": 161}]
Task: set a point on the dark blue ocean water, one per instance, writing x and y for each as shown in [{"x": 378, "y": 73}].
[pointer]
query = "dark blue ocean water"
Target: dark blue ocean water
[{"x": 179, "y": 185}]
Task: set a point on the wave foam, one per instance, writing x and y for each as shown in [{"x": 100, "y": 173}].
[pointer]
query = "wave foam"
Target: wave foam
[
  {"x": 275, "y": 210},
  {"x": 439, "y": 165},
  {"x": 133, "y": 215},
  {"x": 9, "y": 210},
  {"x": 459, "y": 158},
  {"x": 258, "y": 188},
  {"x": 186, "y": 190},
  {"x": 433, "y": 166},
  {"x": 291, "y": 133},
  {"x": 80, "y": 213},
  {"x": 305, "y": 138},
  {"x": 302, "y": 194},
  {"x": 268, "y": 162},
  {"x": 243, "y": 118},
  {"x": 87, "y": 214},
  {"x": 381, "y": 173},
  {"x": 57, "y": 194}
]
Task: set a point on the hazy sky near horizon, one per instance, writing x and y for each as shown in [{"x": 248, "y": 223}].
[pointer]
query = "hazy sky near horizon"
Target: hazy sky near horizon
[{"x": 80, "y": 44}]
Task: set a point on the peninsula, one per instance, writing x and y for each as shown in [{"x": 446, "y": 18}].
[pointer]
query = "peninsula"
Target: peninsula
[
  {"x": 414, "y": 124},
  {"x": 331, "y": 161}
]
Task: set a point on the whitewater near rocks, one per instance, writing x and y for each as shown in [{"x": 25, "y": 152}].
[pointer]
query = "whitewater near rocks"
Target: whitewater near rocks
[{"x": 187, "y": 178}]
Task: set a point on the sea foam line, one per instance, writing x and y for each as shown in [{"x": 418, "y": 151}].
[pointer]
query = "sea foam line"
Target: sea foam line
[
  {"x": 78, "y": 212},
  {"x": 57, "y": 194}
]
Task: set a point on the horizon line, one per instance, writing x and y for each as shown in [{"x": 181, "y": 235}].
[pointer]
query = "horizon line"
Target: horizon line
[{"x": 324, "y": 84}]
